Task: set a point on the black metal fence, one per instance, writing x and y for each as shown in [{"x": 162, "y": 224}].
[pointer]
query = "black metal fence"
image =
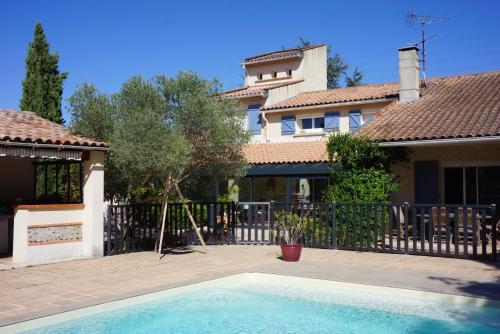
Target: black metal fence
[
  {"x": 469, "y": 231},
  {"x": 134, "y": 227}
]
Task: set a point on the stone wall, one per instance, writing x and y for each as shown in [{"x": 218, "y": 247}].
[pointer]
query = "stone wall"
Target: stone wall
[{"x": 54, "y": 233}]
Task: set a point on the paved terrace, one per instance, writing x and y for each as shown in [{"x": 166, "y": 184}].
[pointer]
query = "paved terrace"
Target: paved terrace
[{"x": 41, "y": 290}]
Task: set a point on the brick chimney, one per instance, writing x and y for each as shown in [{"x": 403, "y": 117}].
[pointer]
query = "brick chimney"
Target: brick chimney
[{"x": 409, "y": 81}]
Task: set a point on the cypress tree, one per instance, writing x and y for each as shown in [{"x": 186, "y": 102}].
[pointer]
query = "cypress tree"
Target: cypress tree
[{"x": 43, "y": 84}]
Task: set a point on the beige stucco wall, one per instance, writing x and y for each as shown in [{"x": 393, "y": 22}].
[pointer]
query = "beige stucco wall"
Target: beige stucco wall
[
  {"x": 311, "y": 68},
  {"x": 448, "y": 156},
  {"x": 266, "y": 69},
  {"x": 16, "y": 179},
  {"x": 279, "y": 94},
  {"x": 274, "y": 118}
]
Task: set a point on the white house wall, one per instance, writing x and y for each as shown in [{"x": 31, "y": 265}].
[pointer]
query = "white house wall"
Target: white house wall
[{"x": 45, "y": 232}]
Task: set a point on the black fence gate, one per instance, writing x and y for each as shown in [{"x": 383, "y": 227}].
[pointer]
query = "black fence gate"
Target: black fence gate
[{"x": 469, "y": 231}]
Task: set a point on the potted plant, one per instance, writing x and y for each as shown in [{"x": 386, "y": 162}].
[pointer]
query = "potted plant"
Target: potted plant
[{"x": 290, "y": 229}]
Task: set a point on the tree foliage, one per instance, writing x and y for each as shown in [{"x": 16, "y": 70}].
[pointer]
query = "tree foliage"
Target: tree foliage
[
  {"x": 43, "y": 84},
  {"x": 92, "y": 115},
  {"x": 163, "y": 129},
  {"x": 355, "y": 79},
  {"x": 360, "y": 170}
]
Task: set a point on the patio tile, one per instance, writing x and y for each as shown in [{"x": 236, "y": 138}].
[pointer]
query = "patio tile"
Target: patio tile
[{"x": 46, "y": 289}]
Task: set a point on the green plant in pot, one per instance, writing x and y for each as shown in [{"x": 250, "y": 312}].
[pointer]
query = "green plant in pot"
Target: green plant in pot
[{"x": 290, "y": 229}]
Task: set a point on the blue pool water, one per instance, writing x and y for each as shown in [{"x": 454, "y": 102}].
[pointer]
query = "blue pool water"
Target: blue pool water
[{"x": 277, "y": 307}]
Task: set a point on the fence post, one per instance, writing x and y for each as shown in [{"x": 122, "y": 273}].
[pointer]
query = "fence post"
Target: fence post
[
  {"x": 334, "y": 225},
  {"x": 405, "y": 206},
  {"x": 109, "y": 211},
  {"x": 494, "y": 230}
]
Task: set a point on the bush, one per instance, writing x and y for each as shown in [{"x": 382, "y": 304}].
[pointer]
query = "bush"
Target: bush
[{"x": 360, "y": 170}]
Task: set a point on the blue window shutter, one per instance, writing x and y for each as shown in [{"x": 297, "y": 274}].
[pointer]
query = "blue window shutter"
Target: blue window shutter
[
  {"x": 332, "y": 121},
  {"x": 354, "y": 120},
  {"x": 254, "y": 119},
  {"x": 288, "y": 125}
]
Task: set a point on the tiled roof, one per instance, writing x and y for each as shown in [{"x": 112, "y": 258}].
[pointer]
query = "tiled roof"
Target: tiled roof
[
  {"x": 26, "y": 127},
  {"x": 259, "y": 90},
  {"x": 286, "y": 152},
  {"x": 339, "y": 95},
  {"x": 453, "y": 107},
  {"x": 278, "y": 55}
]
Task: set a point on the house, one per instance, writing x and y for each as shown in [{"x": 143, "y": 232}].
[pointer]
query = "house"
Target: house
[
  {"x": 451, "y": 125},
  {"x": 51, "y": 191}
]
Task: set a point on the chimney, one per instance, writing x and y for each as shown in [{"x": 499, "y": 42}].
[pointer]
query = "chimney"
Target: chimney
[{"x": 409, "y": 82}]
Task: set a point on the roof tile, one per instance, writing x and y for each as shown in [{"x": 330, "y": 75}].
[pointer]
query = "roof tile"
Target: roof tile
[
  {"x": 278, "y": 55},
  {"x": 339, "y": 95},
  {"x": 451, "y": 107},
  {"x": 286, "y": 152},
  {"x": 256, "y": 90},
  {"x": 27, "y": 127}
]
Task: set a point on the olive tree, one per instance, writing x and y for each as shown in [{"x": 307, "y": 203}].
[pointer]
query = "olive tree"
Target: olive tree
[{"x": 170, "y": 129}]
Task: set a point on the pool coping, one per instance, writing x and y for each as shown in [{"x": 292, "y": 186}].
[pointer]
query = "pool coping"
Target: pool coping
[{"x": 127, "y": 299}]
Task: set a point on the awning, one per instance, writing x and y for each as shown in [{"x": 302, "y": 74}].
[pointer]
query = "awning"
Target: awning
[{"x": 33, "y": 152}]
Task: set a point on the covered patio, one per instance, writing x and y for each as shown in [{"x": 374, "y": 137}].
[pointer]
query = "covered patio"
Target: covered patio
[{"x": 51, "y": 193}]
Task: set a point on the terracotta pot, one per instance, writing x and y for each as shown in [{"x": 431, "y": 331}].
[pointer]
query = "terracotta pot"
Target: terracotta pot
[{"x": 291, "y": 252}]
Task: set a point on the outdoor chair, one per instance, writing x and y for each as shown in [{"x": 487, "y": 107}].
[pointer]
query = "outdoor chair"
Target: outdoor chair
[
  {"x": 439, "y": 223},
  {"x": 467, "y": 232},
  {"x": 401, "y": 222}
]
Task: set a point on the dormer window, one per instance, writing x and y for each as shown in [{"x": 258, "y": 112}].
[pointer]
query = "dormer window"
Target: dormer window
[
  {"x": 259, "y": 76},
  {"x": 275, "y": 74},
  {"x": 289, "y": 72}
]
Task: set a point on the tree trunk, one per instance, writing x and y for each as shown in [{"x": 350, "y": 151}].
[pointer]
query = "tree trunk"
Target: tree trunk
[
  {"x": 164, "y": 216},
  {"x": 163, "y": 204},
  {"x": 189, "y": 214}
]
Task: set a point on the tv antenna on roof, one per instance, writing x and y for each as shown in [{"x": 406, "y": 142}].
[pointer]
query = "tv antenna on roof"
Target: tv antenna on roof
[{"x": 413, "y": 18}]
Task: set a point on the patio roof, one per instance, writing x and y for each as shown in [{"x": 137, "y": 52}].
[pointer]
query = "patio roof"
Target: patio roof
[
  {"x": 286, "y": 152},
  {"x": 26, "y": 129}
]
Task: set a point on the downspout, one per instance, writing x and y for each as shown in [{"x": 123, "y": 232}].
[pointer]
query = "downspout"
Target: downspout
[{"x": 263, "y": 113}]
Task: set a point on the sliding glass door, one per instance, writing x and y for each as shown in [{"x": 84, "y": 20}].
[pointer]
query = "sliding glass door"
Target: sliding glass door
[
  {"x": 472, "y": 185},
  {"x": 309, "y": 189}
]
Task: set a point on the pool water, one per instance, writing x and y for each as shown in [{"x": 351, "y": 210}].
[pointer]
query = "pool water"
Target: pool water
[{"x": 260, "y": 303}]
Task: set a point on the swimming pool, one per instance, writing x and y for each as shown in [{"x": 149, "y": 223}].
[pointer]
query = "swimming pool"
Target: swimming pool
[{"x": 267, "y": 303}]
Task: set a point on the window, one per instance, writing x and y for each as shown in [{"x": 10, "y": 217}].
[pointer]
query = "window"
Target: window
[
  {"x": 472, "y": 185},
  {"x": 58, "y": 182},
  {"x": 307, "y": 123},
  {"x": 275, "y": 74},
  {"x": 313, "y": 123},
  {"x": 289, "y": 73},
  {"x": 259, "y": 76},
  {"x": 368, "y": 116}
]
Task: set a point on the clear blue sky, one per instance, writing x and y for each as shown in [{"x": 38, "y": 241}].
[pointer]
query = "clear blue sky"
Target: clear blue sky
[{"x": 106, "y": 42}]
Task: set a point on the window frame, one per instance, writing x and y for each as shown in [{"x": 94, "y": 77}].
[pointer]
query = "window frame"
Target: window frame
[
  {"x": 66, "y": 164},
  {"x": 463, "y": 167}
]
